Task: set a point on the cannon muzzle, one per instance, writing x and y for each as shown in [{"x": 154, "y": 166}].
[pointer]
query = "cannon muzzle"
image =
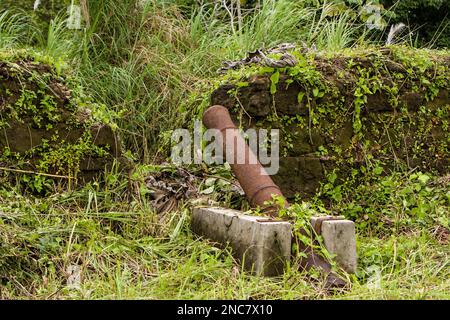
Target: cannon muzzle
[{"x": 256, "y": 183}]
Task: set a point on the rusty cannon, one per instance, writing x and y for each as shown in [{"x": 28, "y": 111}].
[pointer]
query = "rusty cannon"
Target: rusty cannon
[
  {"x": 256, "y": 183},
  {"x": 263, "y": 245}
]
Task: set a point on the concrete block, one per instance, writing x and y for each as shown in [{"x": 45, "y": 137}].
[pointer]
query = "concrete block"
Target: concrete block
[
  {"x": 339, "y": 239},
  {"x": 316, "y": 222},
  {"x": 262, "y": 244}
]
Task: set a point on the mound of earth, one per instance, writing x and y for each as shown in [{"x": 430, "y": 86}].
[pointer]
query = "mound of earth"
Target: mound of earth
[{"x": 47, "y": 127}]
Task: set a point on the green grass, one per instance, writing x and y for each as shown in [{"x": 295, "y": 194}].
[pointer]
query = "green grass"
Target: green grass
[
  {"x": 150, "y": 61},
  {"x": 14, "y": 27},
  {"x": 125, "y": 250},
  {"x": 149, "y": 64}
]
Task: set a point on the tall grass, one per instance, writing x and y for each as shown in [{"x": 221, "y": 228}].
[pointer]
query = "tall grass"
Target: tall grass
[
  {"x": 335, "y": 34},
  {"x": 145, "y": 59},
  {"x": 58, "y": 42},
  {"x": 123, "y": 249},
  {"x": 15, "y": 29},
  {"x": 275, "y": 22}
]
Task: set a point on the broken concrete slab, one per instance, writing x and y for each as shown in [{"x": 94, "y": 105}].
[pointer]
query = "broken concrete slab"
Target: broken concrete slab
[{"x": 262, "y": 244}]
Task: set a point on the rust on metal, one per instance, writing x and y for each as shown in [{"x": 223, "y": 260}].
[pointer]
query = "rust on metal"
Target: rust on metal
[{"x": 257, "y": 185}]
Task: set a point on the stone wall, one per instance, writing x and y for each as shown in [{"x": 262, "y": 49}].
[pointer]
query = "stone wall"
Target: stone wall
[
  {"x": 47, "y": 125},
  {"x": 386, "y": 107}
]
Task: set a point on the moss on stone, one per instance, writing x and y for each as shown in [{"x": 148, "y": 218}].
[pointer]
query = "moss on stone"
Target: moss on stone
[{"x": 47, "y": 125}]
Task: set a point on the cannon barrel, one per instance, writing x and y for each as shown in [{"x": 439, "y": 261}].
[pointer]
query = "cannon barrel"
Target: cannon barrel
[{"x": 257, "y": 185}]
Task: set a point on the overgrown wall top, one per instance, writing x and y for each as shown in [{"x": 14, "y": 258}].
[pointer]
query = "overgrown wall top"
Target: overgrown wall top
[{"x": 357, "y": 109}]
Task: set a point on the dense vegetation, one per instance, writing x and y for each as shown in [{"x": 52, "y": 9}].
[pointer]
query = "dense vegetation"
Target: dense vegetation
[
  {"x": 428, "y": 19},
  {"x": 148, "y": 67}
]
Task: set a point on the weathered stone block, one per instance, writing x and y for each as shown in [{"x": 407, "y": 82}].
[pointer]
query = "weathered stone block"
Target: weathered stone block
[
  {"x": 263, "y": 245},
  {"x": 339, "y": 239}
]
